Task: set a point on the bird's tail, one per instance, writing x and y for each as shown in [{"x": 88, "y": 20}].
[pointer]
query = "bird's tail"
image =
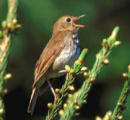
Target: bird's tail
[{"x": 32, "y": 101}]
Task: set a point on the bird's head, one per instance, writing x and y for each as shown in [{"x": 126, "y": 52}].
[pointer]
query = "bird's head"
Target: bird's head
[{"x": 67, "y": 22}]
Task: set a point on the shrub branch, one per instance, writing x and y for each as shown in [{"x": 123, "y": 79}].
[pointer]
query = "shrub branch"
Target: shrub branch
[
  {"x": 76, "y": 101},
  {"x": 53, "y": 112},
  {"x": 123, "y": 97},
  {"x": 8, "y": 26}
]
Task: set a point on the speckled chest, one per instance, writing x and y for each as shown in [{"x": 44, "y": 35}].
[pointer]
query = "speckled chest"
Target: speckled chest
[{"x": 69, "y": 53}]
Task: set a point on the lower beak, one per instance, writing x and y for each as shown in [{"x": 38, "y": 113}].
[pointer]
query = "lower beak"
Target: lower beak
[
  {"x": 75, "y": 19},
  {"x": 78, "y": 26}
]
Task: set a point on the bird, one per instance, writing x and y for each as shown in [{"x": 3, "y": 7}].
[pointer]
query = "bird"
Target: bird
[{"x": 62, "y": 49}]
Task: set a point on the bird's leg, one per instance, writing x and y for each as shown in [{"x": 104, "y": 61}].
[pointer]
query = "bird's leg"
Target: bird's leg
[{"x": 53, "y": 91}]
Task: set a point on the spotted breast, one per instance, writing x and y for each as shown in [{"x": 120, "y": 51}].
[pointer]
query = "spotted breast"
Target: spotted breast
[{"x": 69, "y": 54}]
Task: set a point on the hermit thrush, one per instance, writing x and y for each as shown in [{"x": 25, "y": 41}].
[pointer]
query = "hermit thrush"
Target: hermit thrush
[{"x": 62, "y": 48}]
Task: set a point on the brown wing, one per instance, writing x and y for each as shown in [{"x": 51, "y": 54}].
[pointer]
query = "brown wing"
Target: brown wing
[{"x": 51, "y": 51}]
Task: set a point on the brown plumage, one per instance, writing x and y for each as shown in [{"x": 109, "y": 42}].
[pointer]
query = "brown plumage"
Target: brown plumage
[{"x": 47, "y": 66}]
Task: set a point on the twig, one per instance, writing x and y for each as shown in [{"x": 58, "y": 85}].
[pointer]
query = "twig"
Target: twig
[
  {"x": 9, "y": 26},
  {"x": 76, "y": 101},
  {"x": 123, "y": 97},
  {"x": 69, "y": 80}
]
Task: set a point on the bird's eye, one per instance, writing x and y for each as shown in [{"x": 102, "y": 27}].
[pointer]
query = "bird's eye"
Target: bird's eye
[{"x": 68, "y": 20}]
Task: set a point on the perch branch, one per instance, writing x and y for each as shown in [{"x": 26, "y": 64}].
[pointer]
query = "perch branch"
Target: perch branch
[
  {"x": 52, "y": 113},
  {"x": 76, "y": 101}
]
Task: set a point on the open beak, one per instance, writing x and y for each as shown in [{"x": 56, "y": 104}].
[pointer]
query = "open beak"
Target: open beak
[{"x": 75, "y": 19}]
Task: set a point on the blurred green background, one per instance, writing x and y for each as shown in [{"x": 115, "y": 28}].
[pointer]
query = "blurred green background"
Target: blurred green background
[{"x": 37, "y": 18}]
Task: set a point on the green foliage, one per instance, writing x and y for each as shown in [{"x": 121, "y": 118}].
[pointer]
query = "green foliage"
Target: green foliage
[
  {"x": 37, "y": 18},
  {"x": 101, "y": 59},
  {"x": 123, "y": 97},
  {"x": 8, "y": 27}
]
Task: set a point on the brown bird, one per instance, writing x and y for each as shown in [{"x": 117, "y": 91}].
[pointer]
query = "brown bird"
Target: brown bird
[{"x": 62, "y": 48}]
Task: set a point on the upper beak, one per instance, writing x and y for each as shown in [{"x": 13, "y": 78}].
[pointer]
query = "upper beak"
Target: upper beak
[{"x": 75, "y": 19}]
